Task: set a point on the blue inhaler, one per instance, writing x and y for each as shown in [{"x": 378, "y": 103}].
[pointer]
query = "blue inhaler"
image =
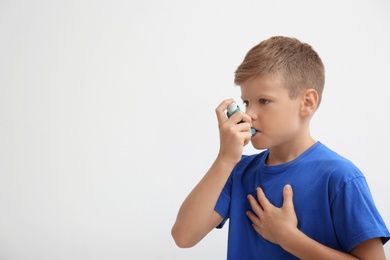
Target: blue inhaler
[{"x": 233, "y": 108}]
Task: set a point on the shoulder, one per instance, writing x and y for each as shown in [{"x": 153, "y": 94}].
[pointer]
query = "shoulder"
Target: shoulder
[
  {"x": 332, "y": 169},
  {"x": 334, "y": 164},
  {"x": 248, "y": 165},
  {"x": 248, "y": 161}
]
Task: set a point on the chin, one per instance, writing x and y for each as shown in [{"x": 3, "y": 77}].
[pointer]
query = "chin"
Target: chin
[{"x": 258, "y": 146}]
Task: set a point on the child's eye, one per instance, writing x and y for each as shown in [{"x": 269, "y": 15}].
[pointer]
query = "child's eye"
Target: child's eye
[
  {"x": 245, "y": 103},
  {"x": 264, "y": 101}
]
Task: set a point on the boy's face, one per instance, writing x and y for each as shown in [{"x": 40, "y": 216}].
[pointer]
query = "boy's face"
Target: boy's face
[{"x": 275, "y": 116}]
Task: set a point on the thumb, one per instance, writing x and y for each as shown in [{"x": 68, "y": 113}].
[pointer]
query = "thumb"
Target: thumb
[{"x": 288, "y": 197}]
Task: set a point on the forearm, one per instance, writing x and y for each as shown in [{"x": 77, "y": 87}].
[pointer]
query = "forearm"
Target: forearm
[
  {"x": 193, "y": 219},
  {"x": 303, "y": 247}
]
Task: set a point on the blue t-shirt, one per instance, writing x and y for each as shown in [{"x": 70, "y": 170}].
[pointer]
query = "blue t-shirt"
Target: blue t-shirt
[{"x": 331, "y": 198}]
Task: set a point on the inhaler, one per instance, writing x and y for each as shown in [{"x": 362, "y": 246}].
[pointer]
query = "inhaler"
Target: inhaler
[{"x": 233, "y": 108}]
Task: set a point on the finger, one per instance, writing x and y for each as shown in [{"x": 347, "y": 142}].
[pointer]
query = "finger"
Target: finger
[
  {"x": 220, "y": 110},
  {"x": 241, "y": 117},
  {"x": 258, "y": 229},
  {"x": 246, "y": 118},
  {"x": 255, "y": 205},
  {"x": 248, "y": 138},
  {"x": 244, "y": 127},
  {"x": 264, "y": 202},
  {"x": 239, "y": 131},
  {"x": 244, "y": 137},
  {"x": 256, "y": 222},
  {"x": 253, "y": 217},
  {"x": 243, "y": 130},
  {"x": 288, "y": 196},
  {"x": 237, "y": 117}
]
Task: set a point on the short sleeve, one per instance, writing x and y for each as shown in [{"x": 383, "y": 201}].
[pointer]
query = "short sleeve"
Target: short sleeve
[
  {"x": 355, "y": 216},
  {"x": 223, "y": 203}
]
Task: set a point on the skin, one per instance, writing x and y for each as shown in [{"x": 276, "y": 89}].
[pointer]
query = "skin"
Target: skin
[{"x": 283, "y": 127}]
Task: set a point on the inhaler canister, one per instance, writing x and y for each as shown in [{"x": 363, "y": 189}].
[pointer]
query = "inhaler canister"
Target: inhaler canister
[{"x": 232, "y": 108}]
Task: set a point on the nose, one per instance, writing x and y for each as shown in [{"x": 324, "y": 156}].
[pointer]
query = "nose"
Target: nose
[{"x": 249, "y": 111}]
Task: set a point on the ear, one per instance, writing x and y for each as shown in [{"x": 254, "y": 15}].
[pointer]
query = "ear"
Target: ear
[{"x": 309, "y": 102}]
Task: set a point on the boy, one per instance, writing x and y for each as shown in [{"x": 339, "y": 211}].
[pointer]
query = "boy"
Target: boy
[{"x": 297, "y": 198}]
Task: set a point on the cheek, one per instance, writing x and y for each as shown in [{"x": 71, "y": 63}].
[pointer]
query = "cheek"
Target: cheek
[{"x": 282, "y": 122}]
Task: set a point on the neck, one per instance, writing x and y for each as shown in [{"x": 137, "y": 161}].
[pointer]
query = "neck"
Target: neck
[{"x": 288, "y": 151}]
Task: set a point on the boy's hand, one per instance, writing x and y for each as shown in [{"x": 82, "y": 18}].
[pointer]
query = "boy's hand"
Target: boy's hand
[
  {"x": 233, "y": 136},
  {"x": 272, "y": 223}
]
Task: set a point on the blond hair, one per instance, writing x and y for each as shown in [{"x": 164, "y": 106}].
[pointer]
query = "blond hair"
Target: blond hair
[{"x": 296, "y": 64}]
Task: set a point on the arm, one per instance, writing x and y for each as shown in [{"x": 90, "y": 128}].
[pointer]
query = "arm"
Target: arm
[
  {"x": 197, "y": 216},
  {"x": 279, "y": 226}
]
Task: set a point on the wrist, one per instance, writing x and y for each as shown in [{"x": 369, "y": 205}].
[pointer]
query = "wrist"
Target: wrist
[
  {"x": 291, "y": 238},
  {"x": 226, "y": 161}
]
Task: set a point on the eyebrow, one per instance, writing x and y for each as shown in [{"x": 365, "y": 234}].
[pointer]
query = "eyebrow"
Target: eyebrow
[{"x": 262, "y": 96}]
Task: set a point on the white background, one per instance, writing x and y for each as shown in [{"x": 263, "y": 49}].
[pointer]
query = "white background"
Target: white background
[{"x": 107, "y": 113}]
